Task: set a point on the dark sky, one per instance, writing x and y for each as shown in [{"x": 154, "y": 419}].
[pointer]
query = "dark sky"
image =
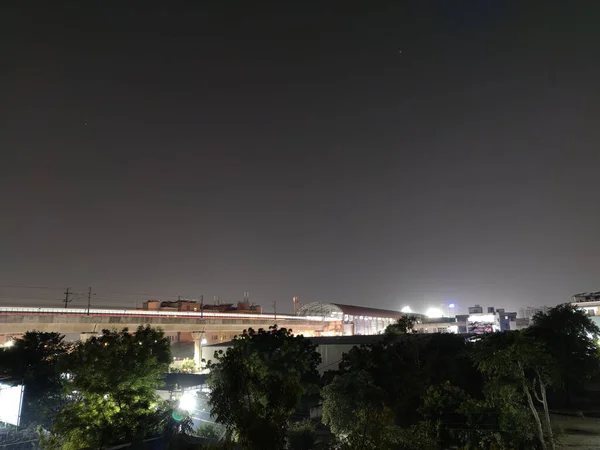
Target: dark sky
[{"x": 290, "y": 149}]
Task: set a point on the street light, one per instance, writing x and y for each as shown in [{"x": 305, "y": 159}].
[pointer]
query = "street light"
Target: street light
[{"x": 187, "y": 402}]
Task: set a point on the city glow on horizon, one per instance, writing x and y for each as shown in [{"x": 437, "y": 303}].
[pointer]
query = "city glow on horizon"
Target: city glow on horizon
[{"x": 406, "y": 310}]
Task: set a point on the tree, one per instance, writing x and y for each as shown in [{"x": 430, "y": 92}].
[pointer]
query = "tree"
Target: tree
[
  {"x": 34, "y": 362},
  {"x": 516, "y": 360},
  {"x": 301, "y": 435},
  {"x": 394, "y": 374},
  {"x": 346, "y": 396},
  {"x": 403, "y": 325},
  {"x": 454, "y": 419},
  {"x": 112, "y": 382},
  {"x": 570, "y": 337},
  {"x": 209, "y": 430},
  {"x": 258, "y": 383},
  {"x": 188, "y": 366}
]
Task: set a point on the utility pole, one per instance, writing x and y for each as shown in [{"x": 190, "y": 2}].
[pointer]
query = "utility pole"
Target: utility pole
[
  {"x": 89, "y": 299},
  {"x": 275, "y": 310},
  {"x": 68, "y": 298},
  {"x": 201, "y": 306}
]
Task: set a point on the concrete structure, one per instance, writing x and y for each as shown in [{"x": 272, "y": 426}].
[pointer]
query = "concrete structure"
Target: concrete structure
[
  {"x": 478, "y": 321},
  {"x": 244, "y": 307},
  {"x": 587, "y": 297},
  {"x": 530, "y": 311},
  {"x": 331, "y": 349},
  {"x": 216, "y": 326},
  {"x": 441, "y": 325},
  {"x": 590, "y": 303},
  {"x": 199, "y": 340},
  {"x": 357, "y": 320}
]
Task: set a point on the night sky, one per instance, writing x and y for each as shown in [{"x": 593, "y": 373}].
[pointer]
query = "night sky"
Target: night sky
[{"x": 372, "y": 153}]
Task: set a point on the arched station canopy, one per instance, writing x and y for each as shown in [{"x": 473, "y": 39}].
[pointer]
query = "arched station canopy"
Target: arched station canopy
[{"x": 338, "y": 311}]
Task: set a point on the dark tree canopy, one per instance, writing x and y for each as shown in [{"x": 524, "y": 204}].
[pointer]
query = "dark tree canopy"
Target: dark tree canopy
[
  {"x": 403, "y": 325},
  {"x": 111, "y": 384},
  {"x": 34, "y": 361},
  {"x": 570, "y": 337},
  {"x": 258, "y": 383},
  {"x": 392, "y": 376}
]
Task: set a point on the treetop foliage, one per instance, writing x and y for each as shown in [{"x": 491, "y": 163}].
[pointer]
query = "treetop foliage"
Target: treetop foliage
[{"x": 258, "y": 383}]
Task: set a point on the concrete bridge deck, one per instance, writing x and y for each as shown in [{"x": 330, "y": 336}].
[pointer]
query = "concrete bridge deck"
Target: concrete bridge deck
[{"x": 15, "y": 320}]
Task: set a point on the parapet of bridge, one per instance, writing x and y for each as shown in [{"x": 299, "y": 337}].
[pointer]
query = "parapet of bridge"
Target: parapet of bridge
[{"x": 216, "y": 326}]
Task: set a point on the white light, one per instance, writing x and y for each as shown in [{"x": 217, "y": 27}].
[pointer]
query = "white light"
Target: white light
[
  {"x": 434, "y": 313},
  {"x": 11, "y": 400},
  {"x": 9, "y": 344},
  {"x": 187, "y": 402},
  {"x": 406, "y": 310},
  {"x": 203, "y": 341},
  {"x": 483, "y": 318},
  {"x": 453, "y": 329},
  {"x": 451, "y": 306}
]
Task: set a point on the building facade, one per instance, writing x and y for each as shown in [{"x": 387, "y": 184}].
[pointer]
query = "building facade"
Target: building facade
[{"x": 356, "y": 320}]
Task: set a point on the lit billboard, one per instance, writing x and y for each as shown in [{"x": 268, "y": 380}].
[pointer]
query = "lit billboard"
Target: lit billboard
[{"x": 11, "y": 402}]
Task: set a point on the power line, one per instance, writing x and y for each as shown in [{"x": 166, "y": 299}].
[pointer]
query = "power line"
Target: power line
[
  {"x": 68, "y": 297},
  {"x": 89, "y": 299}
]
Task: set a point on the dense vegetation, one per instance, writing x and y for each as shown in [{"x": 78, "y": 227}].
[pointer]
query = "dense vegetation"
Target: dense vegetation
[
  {"x": 407, "y": 391},
  {"x": 96, "y": 393}
]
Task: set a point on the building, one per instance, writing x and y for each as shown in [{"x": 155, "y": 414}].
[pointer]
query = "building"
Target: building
[
  {"x": 590, "y": 303},
  {"x": 586, "y": 297},
  {"x": 475, "y": 309},
  {"x": 356, "y": 320},
  {"x": 331, "y": 348},
  {"x": 530, "y": 311},
  {"x": 494, "y": 319},
  {"x": 438, "y": 325},
  {"x": 243, "y": 307}
]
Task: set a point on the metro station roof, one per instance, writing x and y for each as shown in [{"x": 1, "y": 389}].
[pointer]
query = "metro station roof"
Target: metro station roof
[{"x": 337, "y": 310}]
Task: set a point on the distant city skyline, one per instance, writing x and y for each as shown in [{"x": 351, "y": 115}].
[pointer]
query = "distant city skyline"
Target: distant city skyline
[{"x": 54, "y": 297}]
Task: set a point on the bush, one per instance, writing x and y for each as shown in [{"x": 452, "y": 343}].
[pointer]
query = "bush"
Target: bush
[
  {"x": 301, "y": 435},
  {"x": 209, "y": 430}
]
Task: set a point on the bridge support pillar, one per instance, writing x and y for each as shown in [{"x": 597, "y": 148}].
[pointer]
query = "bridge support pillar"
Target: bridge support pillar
[{"x": 199, "y": 340}]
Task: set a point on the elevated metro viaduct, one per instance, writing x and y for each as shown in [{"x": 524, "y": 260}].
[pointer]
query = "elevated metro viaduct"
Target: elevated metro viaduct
[
  {"x": 203, "y": 328},
  {"x": 207, "y": 328}
]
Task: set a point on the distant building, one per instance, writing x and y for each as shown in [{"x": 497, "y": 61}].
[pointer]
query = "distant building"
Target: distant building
[
  {"x": 356, "y": 320},
  {"x": 438, "y": 325},
  {"x": 587, "y": 297},
  {"x": 590, "y": 303},
  {"x": 475, "y": 309},
  {"x": 244, "y": 307},
  {"x": 530, "y": 311},
  {"x": 493, "y": 320}
]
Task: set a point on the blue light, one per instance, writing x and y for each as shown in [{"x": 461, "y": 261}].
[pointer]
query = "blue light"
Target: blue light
[{"x": 451, "y": 305}]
